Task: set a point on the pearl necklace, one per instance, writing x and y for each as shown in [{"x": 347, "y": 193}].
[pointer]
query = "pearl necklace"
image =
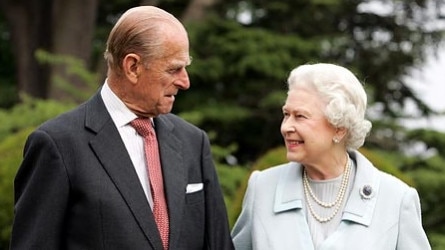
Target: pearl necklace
[{"x": 338, "y": 200}]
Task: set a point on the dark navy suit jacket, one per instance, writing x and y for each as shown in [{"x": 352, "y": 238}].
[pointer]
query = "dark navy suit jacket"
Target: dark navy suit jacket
[{"x": 77, "y": 188}]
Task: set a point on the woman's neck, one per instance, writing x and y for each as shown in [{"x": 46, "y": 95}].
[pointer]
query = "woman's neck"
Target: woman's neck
[{"x": 328, "y": 169}]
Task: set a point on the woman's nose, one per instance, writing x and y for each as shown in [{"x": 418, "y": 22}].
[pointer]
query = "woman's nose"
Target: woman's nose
[{"x": 287, "y": 127}]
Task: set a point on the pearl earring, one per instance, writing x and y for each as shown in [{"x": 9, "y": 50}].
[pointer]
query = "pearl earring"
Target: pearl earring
[{"x": 336, "y": 140}]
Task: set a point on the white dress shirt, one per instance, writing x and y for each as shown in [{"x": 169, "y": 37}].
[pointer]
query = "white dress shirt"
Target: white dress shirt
[{"x": 134, "y": 143}]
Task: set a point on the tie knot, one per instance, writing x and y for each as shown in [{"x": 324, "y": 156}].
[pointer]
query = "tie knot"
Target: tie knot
[{"x": 143, "y": 126}]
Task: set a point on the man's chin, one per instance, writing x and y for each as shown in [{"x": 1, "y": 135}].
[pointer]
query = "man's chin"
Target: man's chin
[{"x": 164, "y": 110}]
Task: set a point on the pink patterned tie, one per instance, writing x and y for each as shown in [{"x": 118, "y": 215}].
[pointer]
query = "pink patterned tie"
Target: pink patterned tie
[{"x": 145, "y": 128}]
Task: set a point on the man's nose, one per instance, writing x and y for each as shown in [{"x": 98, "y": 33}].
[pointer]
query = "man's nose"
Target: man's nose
[{"x": 183, "y": 82}]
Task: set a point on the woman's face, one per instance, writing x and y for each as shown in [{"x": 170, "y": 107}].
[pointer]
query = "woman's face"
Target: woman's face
[{"x": 307, "y": 133}]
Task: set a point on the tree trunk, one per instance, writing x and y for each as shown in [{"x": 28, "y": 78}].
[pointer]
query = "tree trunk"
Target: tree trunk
[
  {"x": 28, "y": 23},
  {"x": 62, "y": 27},
  {"x": 73, "y": 33},
  {"x": 197, "y": 10}
]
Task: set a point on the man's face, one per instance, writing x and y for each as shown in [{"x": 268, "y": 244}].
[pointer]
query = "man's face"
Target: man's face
[{"x": 161, "y": 79}]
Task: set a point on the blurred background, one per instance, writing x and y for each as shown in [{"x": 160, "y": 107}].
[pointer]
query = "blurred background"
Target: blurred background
[{"x": 51, "y": 59}]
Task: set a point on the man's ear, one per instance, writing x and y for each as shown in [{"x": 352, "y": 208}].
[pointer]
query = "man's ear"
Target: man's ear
[{"x": 132, "y": 67}]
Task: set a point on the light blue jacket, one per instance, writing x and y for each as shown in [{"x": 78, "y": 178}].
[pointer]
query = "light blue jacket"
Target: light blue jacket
[{"x": 273, "y": 216}]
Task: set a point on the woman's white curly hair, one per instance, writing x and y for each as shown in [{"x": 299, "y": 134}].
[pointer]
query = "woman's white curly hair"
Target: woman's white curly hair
[{"x": 343, "y": 94}]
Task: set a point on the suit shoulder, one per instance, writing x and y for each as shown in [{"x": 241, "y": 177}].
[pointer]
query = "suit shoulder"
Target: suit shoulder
[
  {"x": 276, "y": 171},
  {"x": 177, "y": 119},
  {"x": 181, "y": 123},
  {"x": 64, "y": 120},
  {"x": 65, "y": 126},
  {"x": 392, "y": 182}
]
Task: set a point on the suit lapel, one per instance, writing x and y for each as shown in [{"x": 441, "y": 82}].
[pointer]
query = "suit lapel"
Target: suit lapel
[
  {"x": 173, "y": 169},
  {"x": 358, "y": 208},
  {"x": 289, "y": 194},
  {"x": 289, "y": 199},
  {"x": 111, "y": 152}
]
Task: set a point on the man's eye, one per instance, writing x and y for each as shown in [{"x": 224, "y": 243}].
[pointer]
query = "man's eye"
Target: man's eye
[{"x": 176, "y": 70}]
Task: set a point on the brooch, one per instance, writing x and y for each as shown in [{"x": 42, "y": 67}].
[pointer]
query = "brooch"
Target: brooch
[{"x": 366, "y": 192}]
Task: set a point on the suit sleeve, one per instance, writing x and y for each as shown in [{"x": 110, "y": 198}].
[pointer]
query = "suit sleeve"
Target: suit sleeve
[
  {"x": 242, "y": 230},
  {"x": 217, "y": 226},
  {"x": 411, "y": 233},
  {"x": 41, "y": 189}
]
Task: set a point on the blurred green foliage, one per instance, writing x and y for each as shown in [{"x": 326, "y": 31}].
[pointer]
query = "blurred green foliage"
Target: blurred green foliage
[
  {"x": 10, "y": 158},
  {"x": 238, "y": 81},
  {"x": 73, "y": 67},
  {"x": 31, "y": 112}
]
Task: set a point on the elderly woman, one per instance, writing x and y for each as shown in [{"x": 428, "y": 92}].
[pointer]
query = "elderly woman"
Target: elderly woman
[{"x": 329, "y": 196}]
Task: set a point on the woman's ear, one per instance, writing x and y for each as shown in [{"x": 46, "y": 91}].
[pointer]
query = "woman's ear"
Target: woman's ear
[
  {"x": 340, "y": 133},
  {"x": 132, "y": 67}
]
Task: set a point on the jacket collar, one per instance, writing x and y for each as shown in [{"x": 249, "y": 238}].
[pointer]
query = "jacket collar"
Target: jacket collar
[
  {"x": 289, "y": 193},
  {"x": 111, "y": 152},
  {"x": 359, "y": 208}
]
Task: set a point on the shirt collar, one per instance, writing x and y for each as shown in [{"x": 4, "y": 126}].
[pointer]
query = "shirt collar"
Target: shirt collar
[{"x": 119, "y": 113}]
